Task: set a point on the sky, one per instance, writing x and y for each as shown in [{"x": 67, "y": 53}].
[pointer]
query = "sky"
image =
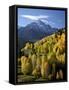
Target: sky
[{"x": 55, "y": 18}]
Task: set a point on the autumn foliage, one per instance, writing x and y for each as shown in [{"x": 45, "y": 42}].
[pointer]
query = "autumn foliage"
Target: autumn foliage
[{"x": 44, "y": 58}]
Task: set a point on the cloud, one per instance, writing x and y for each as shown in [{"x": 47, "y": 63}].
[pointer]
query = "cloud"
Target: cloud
[
  {"x": 35, "y": 17},
  {"x": 53, "y": 23},
  {"x": 45, "y": 21}
]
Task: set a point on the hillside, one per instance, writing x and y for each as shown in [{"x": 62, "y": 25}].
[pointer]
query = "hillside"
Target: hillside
[{"x": 44, "y": 59}]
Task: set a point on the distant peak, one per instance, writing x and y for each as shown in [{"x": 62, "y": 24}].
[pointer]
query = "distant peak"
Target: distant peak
[{"x": 39, "y": 21}]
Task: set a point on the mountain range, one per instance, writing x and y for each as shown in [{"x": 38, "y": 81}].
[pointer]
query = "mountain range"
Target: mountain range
[{"x": 34, "y": 32}]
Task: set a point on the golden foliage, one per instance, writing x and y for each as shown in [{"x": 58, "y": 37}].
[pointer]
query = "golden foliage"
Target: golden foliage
[{"x": 44, "y": 53}]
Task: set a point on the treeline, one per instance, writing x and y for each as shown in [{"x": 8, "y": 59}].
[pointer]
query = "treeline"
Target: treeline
[{"x": 45, "y": 58}]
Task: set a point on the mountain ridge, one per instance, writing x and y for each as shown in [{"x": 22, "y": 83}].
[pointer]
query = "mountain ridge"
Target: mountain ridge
[{"x": 33, "y": 32}]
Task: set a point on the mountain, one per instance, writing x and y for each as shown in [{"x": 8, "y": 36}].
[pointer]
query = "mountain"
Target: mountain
[{"x": 34, "y": 32}]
